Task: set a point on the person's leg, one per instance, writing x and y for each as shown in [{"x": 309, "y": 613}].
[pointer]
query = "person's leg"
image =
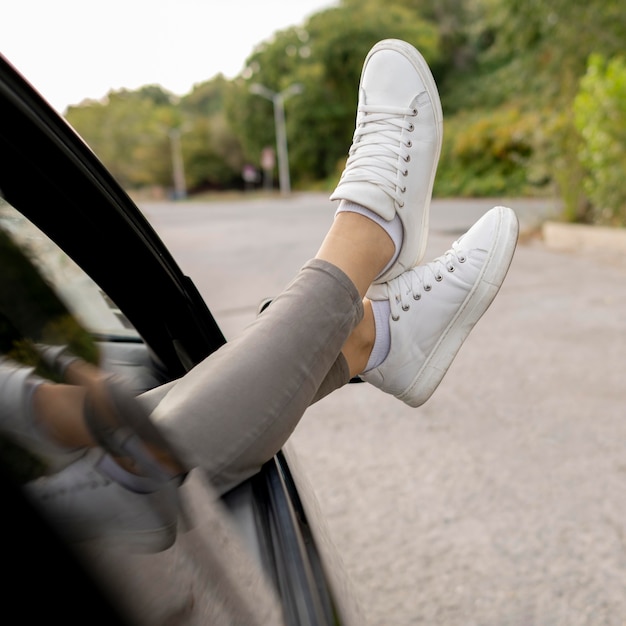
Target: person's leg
[
  {"x": 40, "y": 416},
  {"x": 428, "y": 312},
  {"x": 359, "y": 247},
  {"x": 234, "y": 411}
]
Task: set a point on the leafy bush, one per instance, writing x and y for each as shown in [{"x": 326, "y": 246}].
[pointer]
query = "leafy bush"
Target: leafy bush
[
  {"x": 487, "y": 153},
  {"x": 557, "y": 154},
  {"x": 600, "y": 117}
]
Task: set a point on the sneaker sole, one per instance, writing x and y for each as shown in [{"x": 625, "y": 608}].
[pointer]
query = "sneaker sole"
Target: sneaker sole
[
  {"x": 422, "y": 68},
  {"x": 473, "y": 308}
]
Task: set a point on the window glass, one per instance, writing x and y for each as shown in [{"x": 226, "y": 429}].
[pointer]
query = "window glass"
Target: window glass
[{"x": 83, "y": 298}]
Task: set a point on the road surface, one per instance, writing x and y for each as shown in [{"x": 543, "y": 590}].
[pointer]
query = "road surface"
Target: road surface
[{"x": 501, "y": 501}]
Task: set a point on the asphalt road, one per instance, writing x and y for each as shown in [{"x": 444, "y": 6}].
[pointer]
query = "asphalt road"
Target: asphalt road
[{"x": 501, "y": 501}]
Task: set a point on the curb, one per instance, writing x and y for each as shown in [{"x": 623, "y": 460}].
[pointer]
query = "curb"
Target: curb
[{"x": 584, "y": 238}]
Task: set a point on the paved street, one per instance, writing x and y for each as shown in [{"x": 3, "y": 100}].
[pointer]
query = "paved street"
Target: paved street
[{"x": 501, "y": 501}]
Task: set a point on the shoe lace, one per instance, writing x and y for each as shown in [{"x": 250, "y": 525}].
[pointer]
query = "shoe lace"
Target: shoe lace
[
  {"x": 409, "y": 287},
  {"x": 377, "y": 148}
]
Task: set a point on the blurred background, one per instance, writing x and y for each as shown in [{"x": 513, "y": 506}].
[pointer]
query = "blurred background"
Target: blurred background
[{"x": 533, "y": 95}]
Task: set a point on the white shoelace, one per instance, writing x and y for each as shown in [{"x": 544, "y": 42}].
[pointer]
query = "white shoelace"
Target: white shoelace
[
  {"x": 409, "y": 287},
  {"x": 376, "y": 145}
]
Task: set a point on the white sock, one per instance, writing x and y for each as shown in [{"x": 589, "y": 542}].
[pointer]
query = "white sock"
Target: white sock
[
  {"x": 382, "y": 343},
  {"x": 393, "y": 228}
]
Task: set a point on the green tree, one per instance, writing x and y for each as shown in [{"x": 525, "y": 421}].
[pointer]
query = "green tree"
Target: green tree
[
  {"x": 487, "y": 153},
  {"x": 534, "y": 49},
  {"x": 325, "y": 56},
  {"x": 529, "y": 55},
  {"x": 213, "y": 155},
  {"x": 128, "y": 131}
]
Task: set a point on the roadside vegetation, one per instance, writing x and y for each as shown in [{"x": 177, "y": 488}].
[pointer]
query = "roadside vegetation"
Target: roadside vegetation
[{"x": 534, "y": 98}]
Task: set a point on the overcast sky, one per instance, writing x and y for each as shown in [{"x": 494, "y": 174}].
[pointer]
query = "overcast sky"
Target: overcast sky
[{"x": 74, "y": 49}]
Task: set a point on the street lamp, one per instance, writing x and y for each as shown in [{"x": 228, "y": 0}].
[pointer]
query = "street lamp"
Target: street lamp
[
  {"x": 278, "y": 100},
  {"x": 178, "y": 171}
]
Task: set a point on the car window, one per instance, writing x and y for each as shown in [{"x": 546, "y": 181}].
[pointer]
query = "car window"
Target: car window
[{"x": 83, "y": 298}]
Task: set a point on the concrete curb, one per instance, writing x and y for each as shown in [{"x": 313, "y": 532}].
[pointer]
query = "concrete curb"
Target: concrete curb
[{"x": 583, "y": 238}]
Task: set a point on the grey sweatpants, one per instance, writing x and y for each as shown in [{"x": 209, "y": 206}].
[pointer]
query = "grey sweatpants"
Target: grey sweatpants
[{"x": 234, "y": 410}]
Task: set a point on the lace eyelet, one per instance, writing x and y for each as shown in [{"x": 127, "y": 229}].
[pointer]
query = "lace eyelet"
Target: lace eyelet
[
  {"x": 409, "y": 144},
  {"x": 403, "y": 190},
  {"x": 394, "y": 318},
  {"x": 438, "y": 278},
  {"x": 427, "y": 287},
  {"x": 451, "y": 268},
  {"x": 417, "y": 296},
  {"x": 411, "y": 127},
  {"x": 462, "y": 259},
  {"x": 405, "y": 307},
  {"x": 415, "y": 112},
  {"x": 407, "y": 158},
  {"x": 405, "y": 173}
]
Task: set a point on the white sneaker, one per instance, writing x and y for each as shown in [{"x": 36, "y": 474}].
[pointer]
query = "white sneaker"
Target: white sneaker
[
  {"x": 82, "y": 503},
  {"x": 396, "y": 146},
  {"x": 435, "y": 306}
]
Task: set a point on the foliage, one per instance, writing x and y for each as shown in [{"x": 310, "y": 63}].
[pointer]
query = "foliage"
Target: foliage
[
  {"x": 600, "y": 117},
  {"x": 324, "y": 56},
  {"x": 213, "y": 156},
  {"x": 129, "y": 133},
  {"x": 341, "y": 38},
  {"x": 530, "y": 55},
  {"x": 532, "y": 50},
  {"x": 488, "y": 153},
  {"x": 557, "y": 155},
  {"x": 508, "y": 73}
]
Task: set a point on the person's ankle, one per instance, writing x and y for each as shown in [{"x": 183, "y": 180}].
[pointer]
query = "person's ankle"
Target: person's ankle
[
  {"x": 393, "y": 228},
  {"x": 358, "y": 246},
  {"x": 359, "y": 345}
]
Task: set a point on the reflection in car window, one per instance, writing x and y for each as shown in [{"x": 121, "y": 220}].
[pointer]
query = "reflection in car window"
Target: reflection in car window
[{"x": 83, "y": 298}]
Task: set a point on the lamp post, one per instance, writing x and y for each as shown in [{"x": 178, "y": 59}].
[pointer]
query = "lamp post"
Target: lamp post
[
  {"x": 178, "y": 172},
  {"x": 278, "y": 100}
]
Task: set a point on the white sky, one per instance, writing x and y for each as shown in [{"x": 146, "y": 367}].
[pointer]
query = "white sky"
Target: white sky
[{"x": 75, "y": 49}]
